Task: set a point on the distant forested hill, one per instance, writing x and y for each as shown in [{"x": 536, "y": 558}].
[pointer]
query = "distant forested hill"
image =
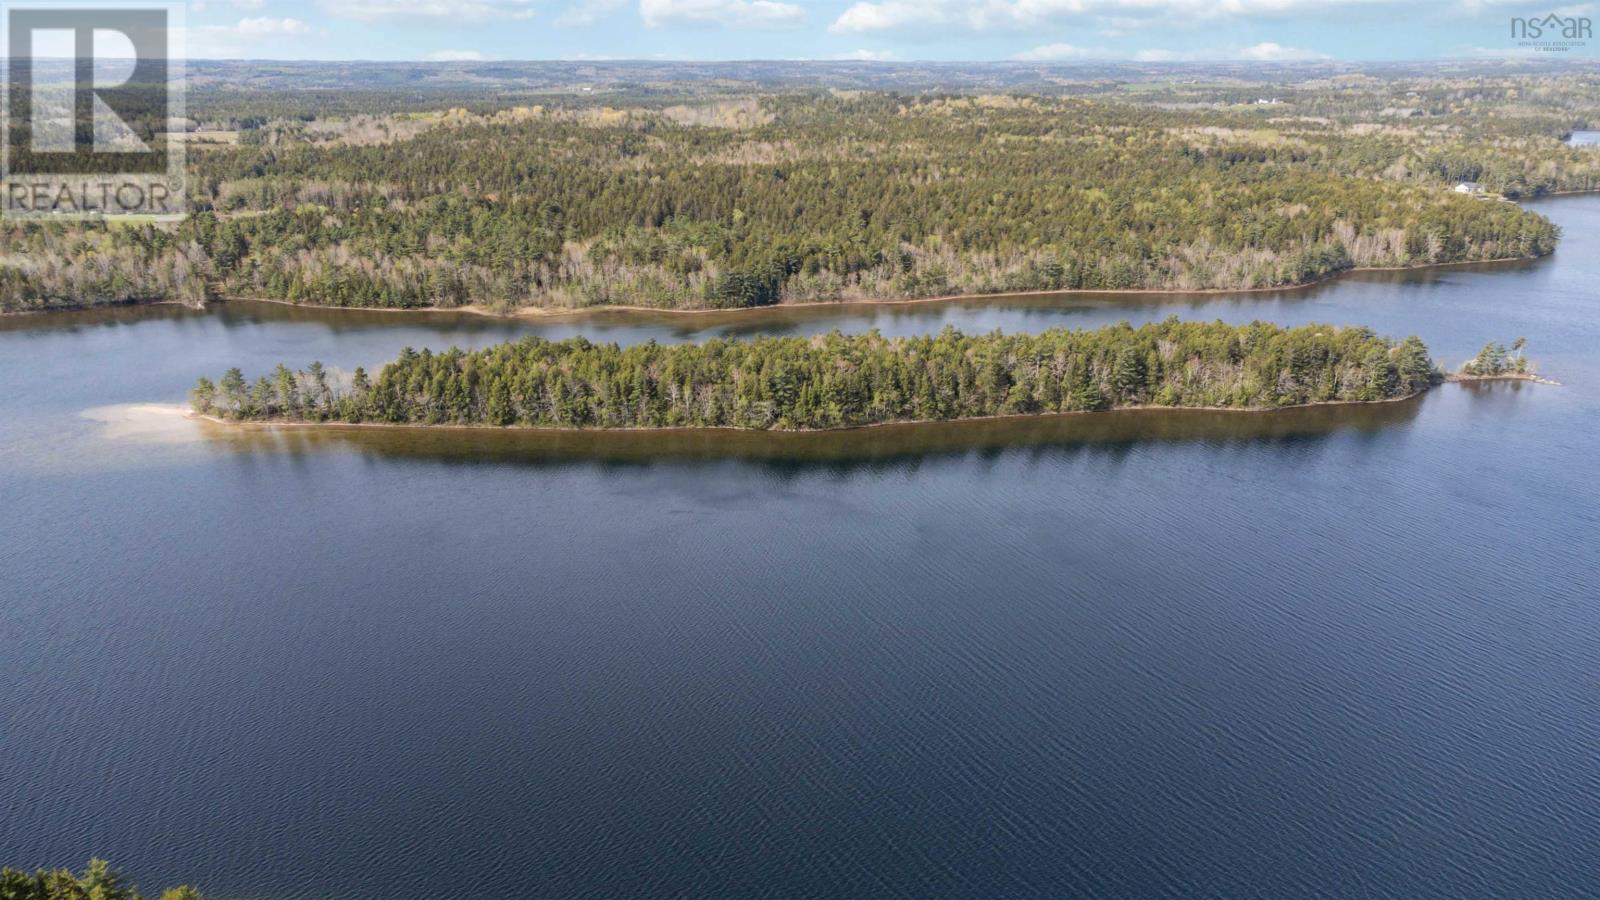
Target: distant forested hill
[{"x": 696, "y": 199}]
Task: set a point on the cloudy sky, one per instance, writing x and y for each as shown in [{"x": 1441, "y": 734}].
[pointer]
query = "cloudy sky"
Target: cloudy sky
[{"x": 862, "y": 29}]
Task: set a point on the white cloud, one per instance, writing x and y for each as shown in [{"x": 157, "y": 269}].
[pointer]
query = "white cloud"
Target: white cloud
[
  {"x": 1267, "y": 51},
  {"x": 267, "y": 25},
  {"x": 989, "y": 15},
  {"x": 250, "y": 37},
  {"x": 866, "y": 55},
  {"x": 452, "y": 10},
  {"x": 1049, "y": 52},
  {"x": 588, "y": 12},
  {"x": 455, "y": 56},
  {"x": 894, "y": 14},
  {"x": 765, "y": 14}
]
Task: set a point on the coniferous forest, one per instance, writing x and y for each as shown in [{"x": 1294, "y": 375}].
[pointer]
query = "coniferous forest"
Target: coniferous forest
[
  {"x": 770, "y": 194},
  {"x": 835, "y": 380}
]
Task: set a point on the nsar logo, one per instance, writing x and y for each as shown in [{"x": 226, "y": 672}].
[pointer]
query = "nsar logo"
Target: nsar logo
[{"x": 1553, "y": 33}]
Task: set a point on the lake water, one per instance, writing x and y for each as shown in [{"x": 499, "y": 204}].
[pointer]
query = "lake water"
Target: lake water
[{"x": 1328, "y": 652}]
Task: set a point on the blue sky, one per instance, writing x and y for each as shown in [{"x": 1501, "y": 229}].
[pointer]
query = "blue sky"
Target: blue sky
[{"x": 1064, "y": 30}]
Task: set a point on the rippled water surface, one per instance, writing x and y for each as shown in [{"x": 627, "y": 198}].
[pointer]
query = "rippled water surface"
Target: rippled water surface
[{"x": 1331, "y": 652}]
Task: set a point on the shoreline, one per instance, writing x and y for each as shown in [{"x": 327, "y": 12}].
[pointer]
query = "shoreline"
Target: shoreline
[
  {"x": 253, "y": 425},
  {"x": 94, "y": 307},
  {"x": 578, "y": 312},
  {"x": 1532, "y": 377},
  {"x": 543, "y": 312}
]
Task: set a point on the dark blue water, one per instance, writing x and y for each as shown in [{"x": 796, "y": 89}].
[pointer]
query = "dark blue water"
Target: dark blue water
[{"x": 1338, "y": 653}]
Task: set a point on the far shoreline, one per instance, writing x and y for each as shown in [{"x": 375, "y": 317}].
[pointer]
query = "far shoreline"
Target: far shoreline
[
  {"x": 576, "y": 312},
  {"x": 580, "y": 312}
]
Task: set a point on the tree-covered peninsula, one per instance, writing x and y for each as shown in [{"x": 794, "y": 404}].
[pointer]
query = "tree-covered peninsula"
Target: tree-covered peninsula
[
  {"x": 731, "y": 195},
  {"x": 836, "y": 380}
]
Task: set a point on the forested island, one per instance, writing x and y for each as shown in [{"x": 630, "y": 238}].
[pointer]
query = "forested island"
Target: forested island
[
  {"x": 1496, "y": 363},
  {"x": 740, "y": 191},
  {"x": 840, "y": 381}
]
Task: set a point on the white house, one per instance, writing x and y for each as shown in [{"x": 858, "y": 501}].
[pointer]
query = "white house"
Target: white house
[{"x": 1469, "y": 187}]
